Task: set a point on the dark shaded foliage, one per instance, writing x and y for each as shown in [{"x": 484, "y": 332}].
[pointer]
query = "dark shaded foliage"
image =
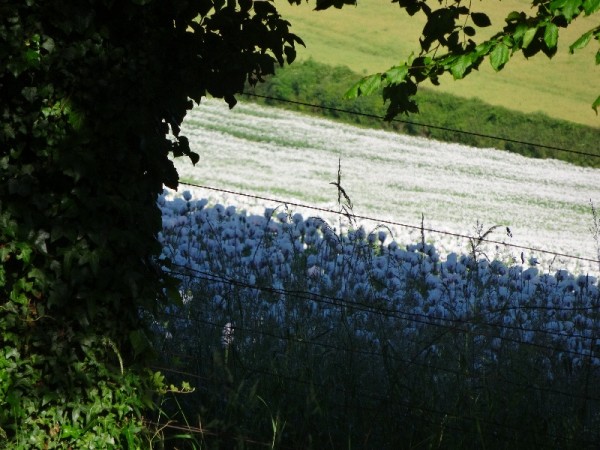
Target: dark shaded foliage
[{"x": 92, "y": 97}]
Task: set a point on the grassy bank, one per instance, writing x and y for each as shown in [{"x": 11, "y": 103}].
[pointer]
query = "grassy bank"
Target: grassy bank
[
  {"x": 376, "y": 35},
  {"x": 323, "y": 85}
]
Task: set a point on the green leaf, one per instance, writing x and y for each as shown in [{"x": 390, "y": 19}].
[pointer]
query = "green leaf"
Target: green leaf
[
  {"x": 245, "y": 5},
  {"x": 231, "y": 100},
  {"x": 290, "y": 53},
  {"x": 513, "y": 16},
  {"x": 591, "y": 6},
  {"x": 324, "y": 4},
  {"x": 264, "y": 8},
  {"x": 30, "y": 93},
  {"x": 397, "y": 74},
  {"x": 204, "y": 6},
  {"x": 596, "y": 104},
  {"x": 93, "y": 259},
  {"x": 598, "y": 57},
  {"x": 69, "y": 431},
  {"x": 75, "y": 413},
  {"x": 481, "y": 19},
  {"x": 519, "y": 32},
  {"x": 499, "y": 56},
  {"x": 49, "y": 397},
  {"x": 460, "y": 66},
  {"x": 25, "y": 252},
  {"x": 369, "y": 84},
  {"x": 48, "y": 44},
  {"x": 551, "y": 35},
  {"x": 172, "y": 291},
  {"x": 571, "y": 9},
  {"x": 581, "y": 42},
  {"x": 37, "y": 274},
  {"x": 528, "y": 36},
  {"x": 483, "y": 48},
  {"x": 353, "y": 91}
]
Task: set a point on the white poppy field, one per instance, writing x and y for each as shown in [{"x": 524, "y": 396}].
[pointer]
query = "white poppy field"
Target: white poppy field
[
  {"x": 292, "y": 157},
  {"x": 214, "y": 247},
  {"x": 416, "y": 326}
]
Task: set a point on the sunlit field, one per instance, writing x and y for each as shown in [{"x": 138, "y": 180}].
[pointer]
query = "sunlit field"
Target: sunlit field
[
  {"x": 294, "y": 158},
  {"x": 375, "y": 35}
]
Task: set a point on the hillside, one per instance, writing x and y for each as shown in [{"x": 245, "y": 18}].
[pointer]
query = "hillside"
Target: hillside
[
  {"x": 376, "y": 35},
  {"x": 313, "y": 87},
  {"x": 276, "y": 153}
]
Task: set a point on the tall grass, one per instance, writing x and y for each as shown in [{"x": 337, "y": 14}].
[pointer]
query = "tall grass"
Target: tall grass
[{"x": 297, "y": 335}]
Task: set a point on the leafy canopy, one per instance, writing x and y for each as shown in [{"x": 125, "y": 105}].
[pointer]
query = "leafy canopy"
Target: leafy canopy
[{"x": 449, "y": 43}]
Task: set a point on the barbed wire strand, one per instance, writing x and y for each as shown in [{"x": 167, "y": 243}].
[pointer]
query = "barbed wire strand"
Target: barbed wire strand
[
  {"x": 237, "y": 328},
  {"x": 526, "y": 307},
  {"x": 436, "y": 127},
  {"x": 390, "y": 222},
  {"x": 379, "y": 310},
  {"x": 306, "y": 342},
  {"x": 445, "y": 413},
  {"x": 520, "y": 307},
  {"x": 386, "y": 399},
  {"x": 423, "y": 319}
]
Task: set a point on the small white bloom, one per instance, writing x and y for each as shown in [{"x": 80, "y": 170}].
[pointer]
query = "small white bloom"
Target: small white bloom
[
  {"x": 314, "y": 271},
  {"x": 533, "y": 261},
  {"x": 268, "y": 213},
  {"x": 227, "y": 335}
]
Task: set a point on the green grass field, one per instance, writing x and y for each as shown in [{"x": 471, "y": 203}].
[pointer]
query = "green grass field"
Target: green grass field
[{"x": 375, "y": 35}]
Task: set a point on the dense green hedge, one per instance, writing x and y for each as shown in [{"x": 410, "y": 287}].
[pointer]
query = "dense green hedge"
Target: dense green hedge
[
  {"x": 323, "y": 85},
  {"x": 92, "y": 95}
]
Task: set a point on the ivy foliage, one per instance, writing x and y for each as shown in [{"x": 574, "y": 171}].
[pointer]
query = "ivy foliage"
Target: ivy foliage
[
  {"x": 92, "y": 96},
  {"x": 449, "y": 44}
]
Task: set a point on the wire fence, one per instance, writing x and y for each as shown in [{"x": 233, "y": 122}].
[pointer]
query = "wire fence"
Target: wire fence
[
  {"x": 330, "y": 370},
  {"x": 381, "y": 221},
  {"x": 372, "y": 403},
  {"x": 443, "y": 415},
  {"x": 249, "y": 351},
  {"x": 375, "y": 308},
  {"x": 424, "y": 125},
  {"x": 294, "y": 390},
  {"x": 406, "y": 362}
]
